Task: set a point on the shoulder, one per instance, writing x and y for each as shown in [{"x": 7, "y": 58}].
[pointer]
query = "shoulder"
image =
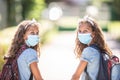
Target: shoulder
[
  {"x": 28, "y": 56},
  {"x": 29, "y": 52},
  {"x": 90, "y": 49},
  {"x": 90, "y": 54}
]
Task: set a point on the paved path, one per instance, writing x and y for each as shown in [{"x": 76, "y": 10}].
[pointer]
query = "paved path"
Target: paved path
[{"x": 58, "y": 62}]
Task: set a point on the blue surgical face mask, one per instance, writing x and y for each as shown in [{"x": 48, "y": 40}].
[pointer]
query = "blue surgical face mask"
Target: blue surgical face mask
[
  {"x": 32, "y": 40},
  {"x": 85, "y": 38}
]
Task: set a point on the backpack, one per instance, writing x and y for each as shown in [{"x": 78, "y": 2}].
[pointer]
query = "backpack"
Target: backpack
[
  {"x": 10, "y": 68},
  {"x": 106, "y": 65}
]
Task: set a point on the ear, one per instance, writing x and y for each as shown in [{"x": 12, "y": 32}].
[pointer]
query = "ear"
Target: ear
[
  {"x": 24, "y": 37},
  {"x": 93, "y": 34}
]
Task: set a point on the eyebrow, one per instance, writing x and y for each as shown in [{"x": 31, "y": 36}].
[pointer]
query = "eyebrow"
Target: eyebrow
[{"x": 88, "y": 28}]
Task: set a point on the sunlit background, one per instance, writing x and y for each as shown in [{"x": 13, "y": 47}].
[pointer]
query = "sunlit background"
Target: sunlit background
[{"x": 59, "y": 19}]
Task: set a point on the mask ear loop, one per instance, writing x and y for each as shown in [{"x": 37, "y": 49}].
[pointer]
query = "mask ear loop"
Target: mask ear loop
[{"x": 31, "y": 22}]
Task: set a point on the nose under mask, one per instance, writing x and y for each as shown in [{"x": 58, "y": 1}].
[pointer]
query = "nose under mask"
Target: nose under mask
[
  {"x": 85, "y": 38},
  {"x": 32, "y": 40}
]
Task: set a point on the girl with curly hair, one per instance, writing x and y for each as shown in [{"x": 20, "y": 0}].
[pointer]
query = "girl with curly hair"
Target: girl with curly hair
[
  {"x": 89, "y": 33},
  {"x": 27, "y": 36}
]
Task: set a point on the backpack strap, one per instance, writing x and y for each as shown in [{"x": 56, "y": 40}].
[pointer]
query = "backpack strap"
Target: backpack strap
[
  {"x": 95, "y": 46},
  {"x": 31, "y": 77},
  {"x": 105, "y": 64},
  {"x": 23, "y": 47}
]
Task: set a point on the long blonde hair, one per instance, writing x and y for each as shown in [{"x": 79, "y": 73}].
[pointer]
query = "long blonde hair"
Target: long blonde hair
[
  {"x": 18, "y": 40},
  {"x": 98, "y": 37}
]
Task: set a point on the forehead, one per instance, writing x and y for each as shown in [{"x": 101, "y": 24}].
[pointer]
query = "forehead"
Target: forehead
[
  {"x": 33, "y": 28},
  {"x": 84, "y": 26}
]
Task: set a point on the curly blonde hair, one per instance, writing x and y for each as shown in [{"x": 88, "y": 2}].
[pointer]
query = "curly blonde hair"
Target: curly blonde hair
[
  {"x": 98, "y": 38},
  {"x": 18, "y": 39}
]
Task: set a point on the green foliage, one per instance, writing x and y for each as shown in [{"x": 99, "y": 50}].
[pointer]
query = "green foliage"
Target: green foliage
[
  {"x": 67, "y": 23},
  {"x": 104, "y": 25},
  {"x": 3, "y": 50},
  {"x": 114, "y": 29},
  {"x": 18, "y": 10},
  {"x": 116, "y": 9},
  {"x": 48, "y": 35},
  {"x": 6, "y": 36},
  {"x": 32, "y": 8}
]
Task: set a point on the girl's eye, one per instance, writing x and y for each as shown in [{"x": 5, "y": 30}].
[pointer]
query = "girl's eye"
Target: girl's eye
[
  {"x": 33, "y": 33},
  {"x": 85, "y": 31}
]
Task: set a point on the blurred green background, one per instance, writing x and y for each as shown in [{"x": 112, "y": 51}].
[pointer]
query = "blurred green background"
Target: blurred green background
[{"x": 55, "y": 16}]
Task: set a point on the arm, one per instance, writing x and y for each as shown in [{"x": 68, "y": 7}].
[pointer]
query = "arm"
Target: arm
[
  {"x": 35, "y": 71},
  {"x": 82, "y": 65}
]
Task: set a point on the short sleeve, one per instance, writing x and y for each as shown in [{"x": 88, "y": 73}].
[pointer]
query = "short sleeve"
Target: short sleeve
[
  {"x": 31, "y": 56},
  {"x": 89, "y": 54}
]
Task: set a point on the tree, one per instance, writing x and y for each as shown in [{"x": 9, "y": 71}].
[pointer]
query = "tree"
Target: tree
[
  {"x": 115, "y": 10},
  {"x": 10, "y": 12},
  {"x": 18, "y": 10},
  {"x": 32, "y": 8}
]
